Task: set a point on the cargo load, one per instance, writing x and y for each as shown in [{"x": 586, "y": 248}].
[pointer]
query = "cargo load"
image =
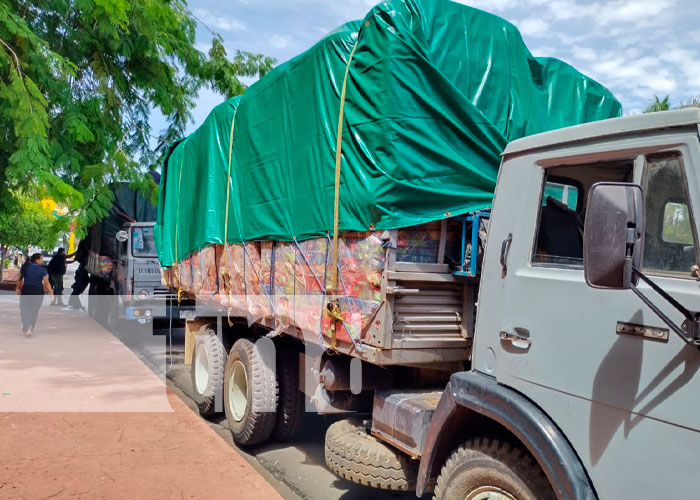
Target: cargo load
[{"x": 385, "y": 134}]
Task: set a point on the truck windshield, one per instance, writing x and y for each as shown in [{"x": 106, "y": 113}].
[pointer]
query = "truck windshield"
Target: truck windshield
[{"x": 142, "y": 242}]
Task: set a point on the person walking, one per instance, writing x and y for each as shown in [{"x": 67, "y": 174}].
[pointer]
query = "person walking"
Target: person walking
[
  {"x": 82, "y": 278},
  {"x": 32, "y": 283},
  {"x": 57, "y": 269}
]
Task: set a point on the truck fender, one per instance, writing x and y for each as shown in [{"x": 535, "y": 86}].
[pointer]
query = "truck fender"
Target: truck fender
[{"x": 472, "y": 394}]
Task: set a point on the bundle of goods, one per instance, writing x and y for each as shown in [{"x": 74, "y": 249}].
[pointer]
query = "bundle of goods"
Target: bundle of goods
[{"x": 393, "y": 122}]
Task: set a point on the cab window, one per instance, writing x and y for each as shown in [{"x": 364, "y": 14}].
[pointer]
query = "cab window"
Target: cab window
[
  {"x": 669, "y": 241},
  {"x": 559, "y": 239}
]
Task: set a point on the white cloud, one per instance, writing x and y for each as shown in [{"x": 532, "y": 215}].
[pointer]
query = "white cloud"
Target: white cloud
[
  {"x": 585, "y": 53},
  {"x": 547, "y": 51},
  {"x": 617, "y": 11},
  {"x": 570, "y": 9},
  {"x": 280, "y": 41},
  {"x": 490, "y": 5},
  {"x": 219, "y": 22},
  {"x": 533, "y": 26}
]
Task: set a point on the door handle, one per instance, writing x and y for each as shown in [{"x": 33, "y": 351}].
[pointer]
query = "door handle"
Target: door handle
[
  {"x": 505, "y": 249},
  {"x": 517, "y": 339}
]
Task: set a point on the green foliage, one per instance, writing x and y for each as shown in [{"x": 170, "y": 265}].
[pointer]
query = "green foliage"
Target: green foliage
[
  {"x": 665, "y": 104},
  {"x": 78, "y": 81},
  {"x": 659, "y": 104},
  {"x": 24, "y": 223}
]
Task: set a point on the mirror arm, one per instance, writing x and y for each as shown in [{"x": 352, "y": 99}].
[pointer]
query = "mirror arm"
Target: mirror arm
[{"x": 688, "y": 331}]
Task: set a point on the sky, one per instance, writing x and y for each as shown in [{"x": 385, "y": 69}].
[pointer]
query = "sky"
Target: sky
[{"x": 636, "y": 48}]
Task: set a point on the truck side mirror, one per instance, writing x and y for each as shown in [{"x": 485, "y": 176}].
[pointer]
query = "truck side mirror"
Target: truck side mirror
[
  {"x": 613, "y": 239},
  {"x": 122, "y": 236}
]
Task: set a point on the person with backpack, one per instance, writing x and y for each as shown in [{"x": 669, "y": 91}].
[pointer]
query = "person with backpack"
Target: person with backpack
[
  {"x": 57, "y": 269},
  {"x": 31, "y": 286},
  {"x": 82, "y": 278}
]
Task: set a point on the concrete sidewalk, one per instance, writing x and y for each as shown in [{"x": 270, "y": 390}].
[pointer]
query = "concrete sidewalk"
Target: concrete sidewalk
[{"x": 83, "y": 418}]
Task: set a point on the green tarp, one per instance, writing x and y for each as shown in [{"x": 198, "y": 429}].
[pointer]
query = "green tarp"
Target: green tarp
[{"x": 435, "y": 92}]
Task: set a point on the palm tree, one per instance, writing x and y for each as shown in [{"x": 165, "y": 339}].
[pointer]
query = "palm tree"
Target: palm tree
[
  {"x": 691, "y": 103},
  {"x": 665, "y": 104},
  {"x": 659, "y": 104}
]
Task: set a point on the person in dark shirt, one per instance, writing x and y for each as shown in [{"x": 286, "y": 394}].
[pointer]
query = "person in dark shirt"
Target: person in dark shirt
[
  {"x": 32, "y": 283},
  {"x": 57, "y": 269},
  {"x": 82, "y": 277}
]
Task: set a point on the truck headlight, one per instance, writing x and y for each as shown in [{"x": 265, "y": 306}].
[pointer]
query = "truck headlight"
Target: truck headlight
[{"x": 143, "y": 294}]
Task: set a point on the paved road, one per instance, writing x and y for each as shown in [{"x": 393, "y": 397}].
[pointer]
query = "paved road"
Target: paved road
[{"x": 298, "y": 464}]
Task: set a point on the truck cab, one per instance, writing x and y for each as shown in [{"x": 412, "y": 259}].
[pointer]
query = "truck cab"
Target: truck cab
[
  {"x": 137, "y": 282},
  {"x": 582, "y": 384}
]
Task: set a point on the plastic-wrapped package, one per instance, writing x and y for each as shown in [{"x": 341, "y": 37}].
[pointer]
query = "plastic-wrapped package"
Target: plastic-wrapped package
[
  {"x": 361, "y": 261},
  {"x": 419, "y": 243},
  {"x": 197, "y": 277},
  {"x": 186, "y": 276},
  {"x": 258, "y": 304},
  {"x": 288, "y": 281},
  {"x": 204, "y": 273},
  {"x": 100, "y": 265},
  {"x": 231, "y": 279}
]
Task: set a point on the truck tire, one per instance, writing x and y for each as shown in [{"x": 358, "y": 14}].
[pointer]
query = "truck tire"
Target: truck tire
[
  {"x": 250, "y": 391},
  {"x": 92, "y": 301},
  {"x": 490, "y": 468},
  {"x": 208, "y": 365},
  {"x": 354, "y": 454},
  {"x": 290, "y": 406}
]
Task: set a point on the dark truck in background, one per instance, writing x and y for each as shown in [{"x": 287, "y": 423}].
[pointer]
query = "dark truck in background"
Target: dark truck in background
[{"x": 125, "y": 276}]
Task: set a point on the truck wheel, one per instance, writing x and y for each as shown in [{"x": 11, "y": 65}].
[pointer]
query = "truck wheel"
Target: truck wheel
[
  {"x": 101, "y": 312},
  {"x": 208, "y": 365},
  {"x": 490, "y": 469},
  {"x": 250, "y": 391},
  {"x": 92, "y": 301},
  {"x": 115, "y": 323},
  {"x": 354, "y": 454},
  {"x": 290, "y": 407}
]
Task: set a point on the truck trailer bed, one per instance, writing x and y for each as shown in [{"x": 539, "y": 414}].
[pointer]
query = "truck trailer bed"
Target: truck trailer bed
[{"x": 399, "y": 300}]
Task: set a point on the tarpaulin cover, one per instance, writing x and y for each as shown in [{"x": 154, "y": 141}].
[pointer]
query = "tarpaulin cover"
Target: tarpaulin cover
[{"x": 435, "y": 91}]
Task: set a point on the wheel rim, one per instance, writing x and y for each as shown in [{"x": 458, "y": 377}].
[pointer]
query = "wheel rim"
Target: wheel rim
[
  {"x": 238, "y": 391},
  {"x": 201, "y": 369},
  {"x": 489, "y": 493}
]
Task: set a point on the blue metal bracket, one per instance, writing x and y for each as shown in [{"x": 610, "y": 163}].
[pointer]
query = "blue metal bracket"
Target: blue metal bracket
[{"x": 468, "y": 266}]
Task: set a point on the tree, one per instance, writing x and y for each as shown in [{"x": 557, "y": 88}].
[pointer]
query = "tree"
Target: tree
[
  {"x": 24, "y": 222},
  {"x": 665, "y": 104},
  {"x": 78, "y": 81},
  {"x": 659, "y": 104}
]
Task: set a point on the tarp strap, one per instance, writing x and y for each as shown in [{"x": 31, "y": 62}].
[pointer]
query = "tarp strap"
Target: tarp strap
[
  {"x": 180, "y": 291},
  {"x": 338, "y": 157},
  {"x": 227, "y": 279},
  {"x": 335, "y": 313},
  {"x": 325, "y": 280}
]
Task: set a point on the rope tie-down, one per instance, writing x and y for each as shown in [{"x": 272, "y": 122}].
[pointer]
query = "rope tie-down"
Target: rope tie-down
[{"x": 333, "y": 309}]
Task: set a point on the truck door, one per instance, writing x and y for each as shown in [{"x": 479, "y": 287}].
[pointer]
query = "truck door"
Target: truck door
[
  {"x": 123, "y": 265},
  {"x": 623, "y": 388}
]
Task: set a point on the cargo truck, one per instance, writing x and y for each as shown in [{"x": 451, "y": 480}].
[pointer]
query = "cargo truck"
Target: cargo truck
[
  {"x": 484, "y": 340},
  {"x": 557, "y": 371}
]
